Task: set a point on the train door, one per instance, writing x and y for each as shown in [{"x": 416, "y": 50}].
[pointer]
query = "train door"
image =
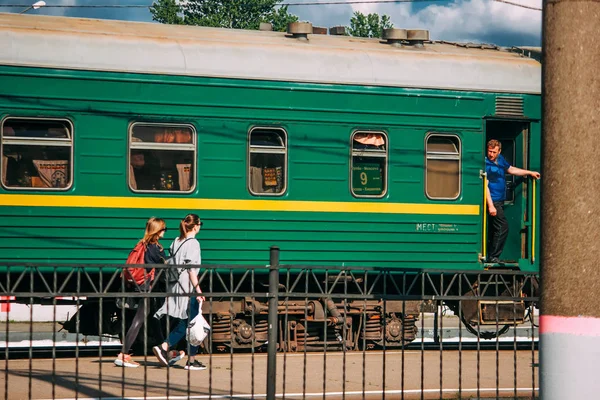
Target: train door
[{"x": 514, "y": 137}]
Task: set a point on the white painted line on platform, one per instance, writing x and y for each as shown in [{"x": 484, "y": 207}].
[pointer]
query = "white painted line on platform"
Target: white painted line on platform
[{"x": 321, "y": 394}]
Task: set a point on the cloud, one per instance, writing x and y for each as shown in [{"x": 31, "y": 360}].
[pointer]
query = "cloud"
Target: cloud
[{"x": 483, "y": 21}]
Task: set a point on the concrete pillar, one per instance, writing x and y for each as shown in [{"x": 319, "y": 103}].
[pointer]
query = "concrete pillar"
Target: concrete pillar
[{"x": 570, "y": 321}]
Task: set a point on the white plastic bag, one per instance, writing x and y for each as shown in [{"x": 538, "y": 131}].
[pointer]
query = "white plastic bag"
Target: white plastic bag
[{"x": 197, "y": 330}]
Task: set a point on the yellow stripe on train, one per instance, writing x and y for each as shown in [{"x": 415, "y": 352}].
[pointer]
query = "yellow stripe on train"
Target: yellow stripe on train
[{"x": 28, "y": 200}]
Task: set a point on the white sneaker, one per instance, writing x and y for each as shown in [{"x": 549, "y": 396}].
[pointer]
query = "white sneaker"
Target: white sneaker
[{"x": 124, "y": 360}]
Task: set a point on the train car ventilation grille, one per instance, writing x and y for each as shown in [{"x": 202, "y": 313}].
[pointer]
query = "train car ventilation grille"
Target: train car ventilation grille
[{"x": 509, "y": 106}]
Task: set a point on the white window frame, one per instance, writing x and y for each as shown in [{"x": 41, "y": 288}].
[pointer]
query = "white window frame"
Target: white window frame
[
  {"x": 370, "y": 153},
  {"x": 268, "y": 150},
  {"x": 32, "y": 141},
  {"x": 131, "y": 145},
  {"x": 440, "y": 155}
]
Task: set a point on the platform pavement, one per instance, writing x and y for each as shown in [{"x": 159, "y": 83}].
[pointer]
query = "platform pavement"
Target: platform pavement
[{"x": 314, "y": 375}]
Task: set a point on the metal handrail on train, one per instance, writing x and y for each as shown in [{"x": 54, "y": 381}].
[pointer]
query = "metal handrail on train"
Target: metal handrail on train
[
  {"x": 533, "y": 221},
  {"x": 484, "y": 252}
]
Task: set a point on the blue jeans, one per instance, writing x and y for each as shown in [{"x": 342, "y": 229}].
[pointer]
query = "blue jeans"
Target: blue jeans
[{"x": 179, "y": 331}]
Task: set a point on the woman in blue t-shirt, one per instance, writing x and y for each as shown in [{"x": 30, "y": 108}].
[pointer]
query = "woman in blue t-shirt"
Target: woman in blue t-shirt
[{"x": 186, "y": 250}]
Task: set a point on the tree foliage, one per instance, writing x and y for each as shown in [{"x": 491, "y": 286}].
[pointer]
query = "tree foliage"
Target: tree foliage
[
  {"x": 234, "y": 14},
  {"x": 280, "y": 18},
  {"x": 166, "y": 12},
  {"x": 371, "y": 25}
]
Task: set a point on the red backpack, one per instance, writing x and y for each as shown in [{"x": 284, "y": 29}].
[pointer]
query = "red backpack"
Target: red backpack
[{"x": 138, "y": 275}]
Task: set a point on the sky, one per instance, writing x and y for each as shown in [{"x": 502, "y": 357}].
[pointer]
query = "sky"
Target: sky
[{"x": 478, "y": 21}]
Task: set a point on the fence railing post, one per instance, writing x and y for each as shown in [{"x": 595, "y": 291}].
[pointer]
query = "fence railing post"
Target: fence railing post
[{"x": 272, "y": 338}]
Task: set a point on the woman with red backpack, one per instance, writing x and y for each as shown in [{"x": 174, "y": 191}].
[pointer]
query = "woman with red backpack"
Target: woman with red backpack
[{"x": 139, "y": 279}]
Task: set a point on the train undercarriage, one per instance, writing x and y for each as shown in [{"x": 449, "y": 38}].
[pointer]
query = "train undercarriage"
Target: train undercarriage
[{"x": 313, "y": 324}]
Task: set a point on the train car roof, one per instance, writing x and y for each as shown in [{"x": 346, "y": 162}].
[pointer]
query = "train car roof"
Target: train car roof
[{"x": 152, "y": 48}]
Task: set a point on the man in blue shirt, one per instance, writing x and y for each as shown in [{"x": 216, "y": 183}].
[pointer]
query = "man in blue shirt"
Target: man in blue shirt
[{"x": 495, "y": 168}]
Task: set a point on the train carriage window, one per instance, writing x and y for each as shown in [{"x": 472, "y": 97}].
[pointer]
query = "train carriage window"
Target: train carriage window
[
  {"x": 162, "y": 158},
  {"x": 369, "y": 164},
  {"x": 442, "y": 168},
  {"x": 267, "y": 157},
  {"x": 37, "y": 153}
]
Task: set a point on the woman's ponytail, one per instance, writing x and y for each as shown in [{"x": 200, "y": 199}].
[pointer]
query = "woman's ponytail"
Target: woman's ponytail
[{"x": 187, "y": 224}]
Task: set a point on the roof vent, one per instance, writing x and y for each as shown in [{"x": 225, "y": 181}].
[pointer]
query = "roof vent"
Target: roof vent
[
  {"x": 394, "y": 36},
  {"x": 300, "y": 30},
  {"x": 317, "y": 30},
  {"x": 509, "y": 106},
  {"x": 337, "y": 30},
  {"x": 265, "y": 26},
  {"x": 416, "y": 37}
]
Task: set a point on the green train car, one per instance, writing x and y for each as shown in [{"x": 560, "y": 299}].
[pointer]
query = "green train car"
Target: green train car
[{"x": 342, "y": 151}]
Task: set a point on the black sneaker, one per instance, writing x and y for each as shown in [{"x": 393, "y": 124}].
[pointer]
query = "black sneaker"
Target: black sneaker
[
  {"x": 162, "y": 355},
  {"x": 494, "y": 260},
  {"x": 196, "y": 366}
]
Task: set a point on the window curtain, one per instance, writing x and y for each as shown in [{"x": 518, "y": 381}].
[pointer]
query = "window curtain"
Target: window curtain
[{"x": 183, "y": 172}]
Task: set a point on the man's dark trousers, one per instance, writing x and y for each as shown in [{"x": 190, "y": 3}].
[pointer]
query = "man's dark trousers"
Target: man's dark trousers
[{"x": 498, "y": 231}]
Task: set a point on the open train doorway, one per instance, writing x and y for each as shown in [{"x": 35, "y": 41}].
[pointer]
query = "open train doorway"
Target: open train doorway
[{"x": 514, "y": 138}]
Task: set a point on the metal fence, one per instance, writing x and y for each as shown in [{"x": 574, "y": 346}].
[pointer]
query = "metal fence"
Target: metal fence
[{"x": 280, "y": 331}]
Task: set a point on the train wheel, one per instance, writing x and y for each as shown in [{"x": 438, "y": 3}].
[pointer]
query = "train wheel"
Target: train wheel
[{"x": 396, "y": 332}]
